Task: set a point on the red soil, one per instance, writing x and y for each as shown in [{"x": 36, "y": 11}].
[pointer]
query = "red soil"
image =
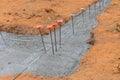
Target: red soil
[{"x": 22, "y": 16}]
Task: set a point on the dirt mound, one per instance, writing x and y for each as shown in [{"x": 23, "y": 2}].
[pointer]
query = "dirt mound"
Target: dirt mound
[{"x": 21, "y": 17}]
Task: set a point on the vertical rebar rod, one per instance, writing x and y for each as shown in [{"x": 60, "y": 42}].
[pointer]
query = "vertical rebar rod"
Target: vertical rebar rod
[
  {"x": 83, "y": 17},
  {"x": 43, "y": 41},
  {"x": 73, "y": 26},
  {"x": 52, "y": 42},
  {"x": 60, "y": 36},
  {"x": 102, "y": 2},
  {"x": 95, "y": 8},
  {"x": 60, "y": 22},
  {"x": 89, "y": 12},
  {"x": 99, "y": 5},
  {"x": 55, "y": 39},
  {"x": 3, "y": 39}
]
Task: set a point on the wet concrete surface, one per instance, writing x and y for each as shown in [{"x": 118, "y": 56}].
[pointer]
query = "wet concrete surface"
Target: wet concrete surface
[{"x": 26, "y": 54}]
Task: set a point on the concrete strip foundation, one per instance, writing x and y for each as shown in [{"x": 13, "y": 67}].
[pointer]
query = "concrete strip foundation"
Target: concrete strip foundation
[{"x": 23, "y": 54}]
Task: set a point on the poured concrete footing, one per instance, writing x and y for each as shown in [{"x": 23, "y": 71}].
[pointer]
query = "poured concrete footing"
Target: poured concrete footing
[{"x": 26, "y": 54}]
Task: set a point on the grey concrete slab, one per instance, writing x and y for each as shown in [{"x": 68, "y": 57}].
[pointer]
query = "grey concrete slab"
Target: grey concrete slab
[{"x": 25, "y": 53}]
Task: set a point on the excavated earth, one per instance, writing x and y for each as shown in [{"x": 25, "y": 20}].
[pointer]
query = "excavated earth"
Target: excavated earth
[{"x": 21, "y": 17}]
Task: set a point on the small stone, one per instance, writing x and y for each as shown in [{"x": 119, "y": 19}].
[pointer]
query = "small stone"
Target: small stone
[
  {"x": 91, "y": 41},
  {"x": 9, "y": 62}
]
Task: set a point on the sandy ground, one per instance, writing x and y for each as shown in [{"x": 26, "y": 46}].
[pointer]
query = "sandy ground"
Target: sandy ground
[
  {"x": 103, "y": 59},
  {"x": 18, "y": 19}
]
